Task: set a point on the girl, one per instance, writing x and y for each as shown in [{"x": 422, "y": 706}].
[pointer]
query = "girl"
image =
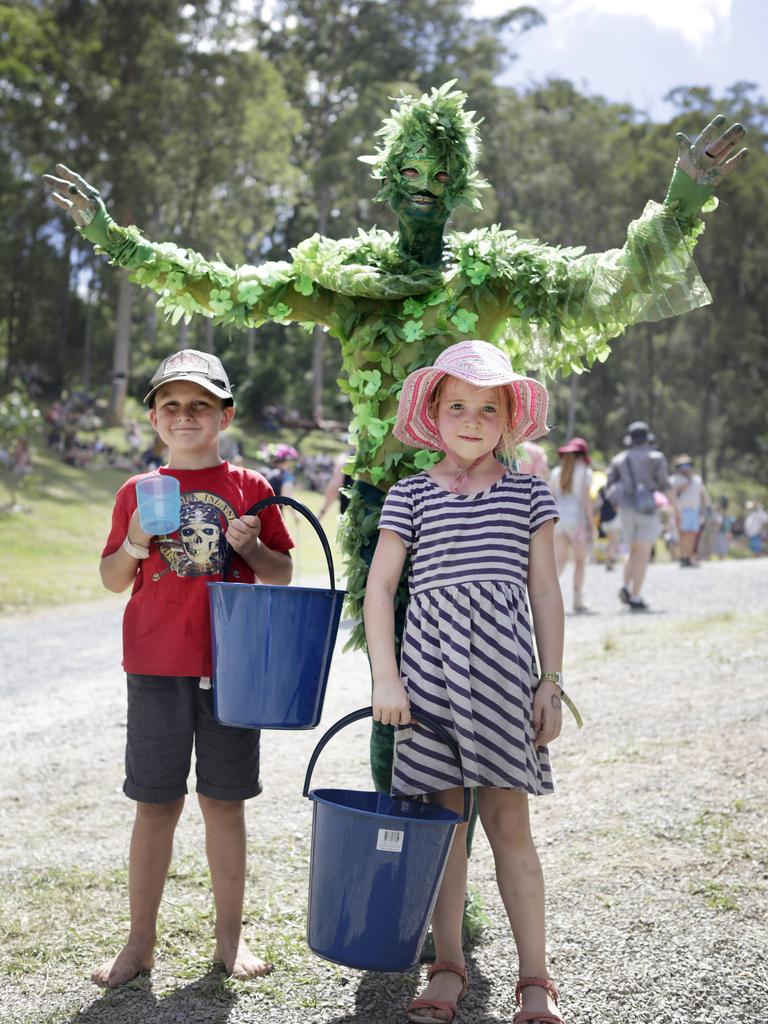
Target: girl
[
  {"x": 570, "y": 483},
  {"x": 477, "y": 534}
]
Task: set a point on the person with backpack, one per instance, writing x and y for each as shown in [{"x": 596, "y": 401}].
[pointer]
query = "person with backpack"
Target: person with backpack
[{"x": 633, "y": 478}]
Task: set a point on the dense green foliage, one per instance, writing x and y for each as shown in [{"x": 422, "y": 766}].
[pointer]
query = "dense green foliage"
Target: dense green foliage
[{"x": 231, "y": 133}]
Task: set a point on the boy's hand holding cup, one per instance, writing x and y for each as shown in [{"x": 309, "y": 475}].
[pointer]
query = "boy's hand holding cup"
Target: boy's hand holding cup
[
  {"x": 157, "y": 513},
  {"x": 243, "y": 535},
  {"x": 158, "y": 502},
  {"x": 136, "y": 534}
]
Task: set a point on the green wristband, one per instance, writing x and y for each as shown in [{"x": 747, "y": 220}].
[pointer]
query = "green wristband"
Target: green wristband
[
  {"x": 97, "y": 232},
  {"x": 686, "y": 196}
]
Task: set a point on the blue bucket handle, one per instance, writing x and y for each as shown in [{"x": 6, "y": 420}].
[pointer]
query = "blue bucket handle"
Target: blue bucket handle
[
  {"x": 356, "y": 716},
  {"x": 283, "y": 499}
]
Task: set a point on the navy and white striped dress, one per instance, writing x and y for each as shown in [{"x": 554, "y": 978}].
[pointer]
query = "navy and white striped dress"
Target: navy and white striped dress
[{"x": 467, "y": 656}]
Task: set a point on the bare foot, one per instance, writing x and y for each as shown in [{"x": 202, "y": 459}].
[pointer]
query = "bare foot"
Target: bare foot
[
  {"x": 239, "y": 962},
  {"x": 445, "y": 986},
  {"x": 133, "y": 958}
]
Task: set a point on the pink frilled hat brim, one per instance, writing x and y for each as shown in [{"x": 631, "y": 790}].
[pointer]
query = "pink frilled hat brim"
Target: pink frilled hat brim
[{"x": 478, "y": 363}]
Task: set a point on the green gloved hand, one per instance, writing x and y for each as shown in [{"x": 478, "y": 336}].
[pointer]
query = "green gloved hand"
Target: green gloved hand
[
  {"x": 82, "y": 202},
  {"x": 701, "y": 165}
]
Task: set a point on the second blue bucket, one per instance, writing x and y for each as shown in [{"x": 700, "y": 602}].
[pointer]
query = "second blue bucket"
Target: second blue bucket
[
  {"x": 376, "y": 867},
  {"x": 272, "y": 646}
]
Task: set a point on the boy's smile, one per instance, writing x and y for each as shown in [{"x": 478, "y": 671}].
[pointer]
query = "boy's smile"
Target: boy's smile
[{"x": 189, "y": 420}]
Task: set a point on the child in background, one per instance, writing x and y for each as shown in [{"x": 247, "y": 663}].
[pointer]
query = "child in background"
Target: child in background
[
  {"x": 477, "y": 535},
  {"x": 724, "y": 527},
  {"x": 609, "y": 527},
  {"x": 281, "y": 474},
  {"x": 167, "y": 657}
]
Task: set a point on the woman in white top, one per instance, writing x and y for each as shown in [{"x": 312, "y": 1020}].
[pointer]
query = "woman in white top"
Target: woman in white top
[{"x": 570, "y": 484}]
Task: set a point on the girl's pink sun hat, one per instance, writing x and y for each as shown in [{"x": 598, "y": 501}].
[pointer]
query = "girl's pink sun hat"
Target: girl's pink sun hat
[{"x": 485, "y": 366}]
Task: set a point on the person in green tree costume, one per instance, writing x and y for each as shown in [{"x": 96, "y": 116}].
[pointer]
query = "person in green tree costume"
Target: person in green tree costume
[{"x": 395, "y": 301}]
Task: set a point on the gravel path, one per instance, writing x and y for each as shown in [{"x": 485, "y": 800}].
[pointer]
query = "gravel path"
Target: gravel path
[{"x": 654, "y": 850}]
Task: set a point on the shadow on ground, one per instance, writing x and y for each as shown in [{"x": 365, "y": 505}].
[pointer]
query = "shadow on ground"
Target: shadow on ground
[
  {"x": 384, "y": 997},
  {"x": 136, "y": 1002}
]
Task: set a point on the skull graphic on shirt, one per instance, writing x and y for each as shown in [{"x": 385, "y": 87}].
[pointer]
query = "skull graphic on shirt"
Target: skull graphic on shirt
[
  {"x": 202, "y": 543},
  {"x": 198, "y": 548}
]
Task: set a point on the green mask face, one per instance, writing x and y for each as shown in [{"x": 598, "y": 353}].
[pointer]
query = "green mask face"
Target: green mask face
[{"x": 421, "y": 191}]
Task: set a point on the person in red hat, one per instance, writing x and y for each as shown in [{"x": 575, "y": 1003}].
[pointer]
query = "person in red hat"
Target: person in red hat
[{"x": 570, "y": 484}]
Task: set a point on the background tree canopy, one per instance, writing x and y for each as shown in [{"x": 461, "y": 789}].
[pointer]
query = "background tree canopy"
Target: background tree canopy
[{"x": 237, "y": 131}]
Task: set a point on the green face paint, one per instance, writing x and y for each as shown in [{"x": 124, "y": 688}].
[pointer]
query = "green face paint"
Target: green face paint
[{"x": 421, "y": 190}]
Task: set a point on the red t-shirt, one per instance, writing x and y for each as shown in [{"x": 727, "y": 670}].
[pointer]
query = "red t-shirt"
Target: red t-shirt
[{"x": 166, "y": 628}]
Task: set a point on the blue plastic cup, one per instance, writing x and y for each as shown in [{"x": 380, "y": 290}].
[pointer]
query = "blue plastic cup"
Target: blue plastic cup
[{"x": 159, "y": 500}]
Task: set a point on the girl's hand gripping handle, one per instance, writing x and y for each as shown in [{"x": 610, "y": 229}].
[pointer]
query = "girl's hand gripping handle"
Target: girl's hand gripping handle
[{"x": 390, "y": 702}]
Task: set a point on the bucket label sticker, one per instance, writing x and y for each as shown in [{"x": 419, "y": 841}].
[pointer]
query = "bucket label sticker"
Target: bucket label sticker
[{"x": 390, "y": 840}]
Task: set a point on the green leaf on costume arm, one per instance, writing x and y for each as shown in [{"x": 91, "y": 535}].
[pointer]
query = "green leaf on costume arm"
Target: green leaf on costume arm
[
  {"x": 373, "y": 384},
  {"x": 378, "y": 428},
  {"x": 413, "y": 308},
  {"x": 174, "y": 281},
  {"x": 414, "y": 330},
  {"x": 279, "y": 312},
  {"x": 304, "y": 285},
  {"x": 424, "y": 459},
  {"x": 220, "y": 300},
  {"x": 477, "y": 272},
  {"x": 464, "y": 320},
  {"x": 249, "y": 292}
]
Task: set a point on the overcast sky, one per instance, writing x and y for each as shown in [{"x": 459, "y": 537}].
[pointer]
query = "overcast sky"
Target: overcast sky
[{"x": 637, "y": 50}]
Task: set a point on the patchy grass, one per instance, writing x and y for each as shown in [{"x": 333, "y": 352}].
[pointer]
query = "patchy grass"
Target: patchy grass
[
  {"x": 55, "y": 919},
  {"x": 51, "y": 548},
  {"x": 707, "y": 622},
  {"x": 723, "y": 831},
  {"x": 717, "y": 896}
]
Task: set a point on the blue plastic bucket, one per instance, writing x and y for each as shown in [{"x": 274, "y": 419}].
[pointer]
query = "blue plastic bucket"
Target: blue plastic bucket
[
  {"x": 375, "y": 870},
  {"x": 272, "y": 646}
]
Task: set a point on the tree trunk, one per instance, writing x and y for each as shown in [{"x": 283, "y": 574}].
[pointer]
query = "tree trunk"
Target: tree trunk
[
  {"x": 705, "y": 425},
  {"x": 88, "y": 340},
  {"x": 116, "y": 408},
  {"x": 11, "y": 324},
  {"x": 318, "y": 334},
  {"x": 573, "y": 399},
  {"x": 650, "y": 376},
  {"x": 151, "y": 321}
]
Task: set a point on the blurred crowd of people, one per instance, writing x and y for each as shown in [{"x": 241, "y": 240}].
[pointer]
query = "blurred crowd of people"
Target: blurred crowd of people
[
  {"x": 623, "y": 511},
  {"x": 619, "y": 512}
]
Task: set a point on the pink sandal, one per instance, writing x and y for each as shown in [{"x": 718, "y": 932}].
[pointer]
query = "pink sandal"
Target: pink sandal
[
  {"x": 438, "y": 1004},
  {"x": 539, "y": 1016}
]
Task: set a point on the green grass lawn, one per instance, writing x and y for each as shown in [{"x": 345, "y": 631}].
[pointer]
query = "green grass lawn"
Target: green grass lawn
[{"x": 51, "y": 546}]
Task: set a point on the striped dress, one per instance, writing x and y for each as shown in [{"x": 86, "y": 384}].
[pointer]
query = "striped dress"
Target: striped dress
[{"x": 467, "y": 655}]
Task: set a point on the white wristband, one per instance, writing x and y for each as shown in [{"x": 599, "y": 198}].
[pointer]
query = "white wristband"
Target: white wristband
[{"x": 135, "y": 550}]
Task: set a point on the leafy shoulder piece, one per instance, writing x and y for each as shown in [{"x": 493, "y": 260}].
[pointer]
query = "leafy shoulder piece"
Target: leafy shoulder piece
[{"x": 370, "y": 266}]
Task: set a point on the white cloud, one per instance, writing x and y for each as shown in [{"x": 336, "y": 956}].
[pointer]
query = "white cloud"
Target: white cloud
[{"x": 696, "y": 21}]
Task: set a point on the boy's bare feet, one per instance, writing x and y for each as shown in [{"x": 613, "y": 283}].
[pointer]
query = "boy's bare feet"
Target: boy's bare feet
[
  {"x": 133, "y": 958},
  {"x": 239, "y": 962}
]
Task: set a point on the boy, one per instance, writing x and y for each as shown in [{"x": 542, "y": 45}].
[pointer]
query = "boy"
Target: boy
[{"x": 167, "y": 657}]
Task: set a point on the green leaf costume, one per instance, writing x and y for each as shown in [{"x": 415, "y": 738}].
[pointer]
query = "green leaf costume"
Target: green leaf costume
[{"x": 394, "y": 301}]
